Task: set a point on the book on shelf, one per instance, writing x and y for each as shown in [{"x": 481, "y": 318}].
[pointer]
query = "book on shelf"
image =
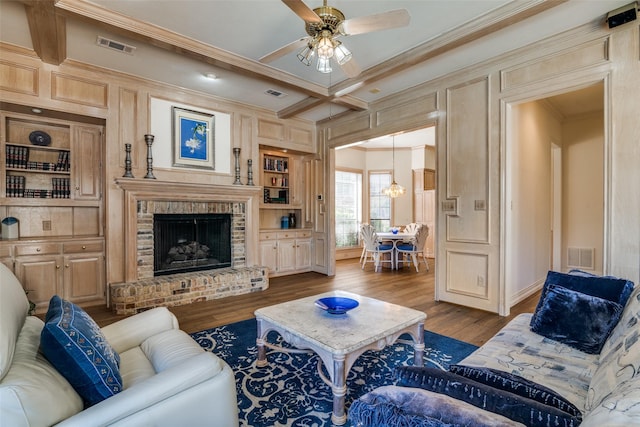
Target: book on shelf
[
  {"x": 16, "y": 157},
  {"x": 61, "y": 188},
  {"x": 15, "y": 186}
]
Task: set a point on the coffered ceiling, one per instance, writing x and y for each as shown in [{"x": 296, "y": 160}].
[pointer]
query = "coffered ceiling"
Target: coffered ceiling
[{"x": 179, "y": 42}]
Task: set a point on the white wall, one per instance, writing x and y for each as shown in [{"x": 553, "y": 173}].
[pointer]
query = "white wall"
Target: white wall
[
  {"x": 529, "y": 187},
  {"x": 583, "y": 186}
]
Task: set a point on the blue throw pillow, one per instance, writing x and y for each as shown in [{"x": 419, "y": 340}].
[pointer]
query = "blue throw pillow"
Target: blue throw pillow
[
  {"x": 606, "y": 287},
  {"x": 76, "y": 347},
  {"x": 576, "y": 319},
  {"x": 517, "y": 385},
  {"x": 512, "y": 406}
]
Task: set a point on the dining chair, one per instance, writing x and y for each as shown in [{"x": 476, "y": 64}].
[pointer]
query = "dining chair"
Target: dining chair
[
  {"x": 415, "y": 248},
  {"x": 411, "y": 228},
  {"x": 364, "y": 247},
  {"x": 374, "y": 249}
]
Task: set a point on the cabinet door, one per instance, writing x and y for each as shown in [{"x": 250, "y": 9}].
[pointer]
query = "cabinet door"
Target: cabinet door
[
  {"x": 40, "y": 276},
  {"x": 418, "y": 207},
  {"x": 269, "y": 255},
  {"x": 84, "y": 277},
  {"x": 303, "y": 254},
  {"x": 87, "y": 160},
  {"x": 286, "y": 255}
]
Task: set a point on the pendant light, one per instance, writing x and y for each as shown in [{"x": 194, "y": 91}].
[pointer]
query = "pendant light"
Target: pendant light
[{"x": 395, "y": 189}]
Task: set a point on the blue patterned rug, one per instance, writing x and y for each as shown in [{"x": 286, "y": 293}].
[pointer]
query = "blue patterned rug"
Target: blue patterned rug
[{"x": 290, "y": 392}]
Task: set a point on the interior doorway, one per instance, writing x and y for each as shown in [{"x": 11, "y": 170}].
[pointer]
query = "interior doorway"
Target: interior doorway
[{"x": 554, "y": 188}]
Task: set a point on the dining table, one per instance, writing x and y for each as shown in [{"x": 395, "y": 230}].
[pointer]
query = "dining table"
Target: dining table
[{"x": 400, "y": 236}]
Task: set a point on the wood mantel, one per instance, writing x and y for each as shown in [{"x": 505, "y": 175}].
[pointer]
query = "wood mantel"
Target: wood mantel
[{"x": 154, "y": 190}]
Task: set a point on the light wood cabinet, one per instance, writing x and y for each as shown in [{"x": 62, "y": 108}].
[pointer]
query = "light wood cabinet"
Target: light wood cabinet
[
  {"x": 87, "y": 162},
  {"x": 286, "y": 252},
  {"x": 292, "y": 135},
  {"x": 72, "y": 269}
]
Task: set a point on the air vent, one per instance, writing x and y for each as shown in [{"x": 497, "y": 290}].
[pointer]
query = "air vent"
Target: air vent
[
  {"x": 112, "y": 44},
  {"x": 275, "y": 93},
  {"x": 581, "y": 258}
]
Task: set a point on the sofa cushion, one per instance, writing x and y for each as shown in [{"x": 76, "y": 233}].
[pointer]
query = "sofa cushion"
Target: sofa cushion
[
  {"x": 517, "y": 385},
  {"x": 404, "y": 406},
  {"x": 14, "y": 307},
  {"x": 512, "y": 406},
  {"x": 76, "y": 347},
  {"x": 579, "y": 320},
  {"x": 620, "y": 356}
]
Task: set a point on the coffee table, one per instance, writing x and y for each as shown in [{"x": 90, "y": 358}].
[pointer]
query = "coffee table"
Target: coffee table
[{"x": 339, "y": 339}]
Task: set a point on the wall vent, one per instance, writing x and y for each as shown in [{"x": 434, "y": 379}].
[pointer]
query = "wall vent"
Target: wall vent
[
  {"x": 112, "y": 44},
  {"x": 581, "y": 258},
  {"x": 275, "y": 93}
]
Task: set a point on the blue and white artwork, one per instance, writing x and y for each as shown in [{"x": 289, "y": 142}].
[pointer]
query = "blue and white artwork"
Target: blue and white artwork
[{"x": 193, "y": 139}]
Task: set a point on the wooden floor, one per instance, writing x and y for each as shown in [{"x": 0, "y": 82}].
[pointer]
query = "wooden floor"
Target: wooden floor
[{"x": 404, "y": 287}]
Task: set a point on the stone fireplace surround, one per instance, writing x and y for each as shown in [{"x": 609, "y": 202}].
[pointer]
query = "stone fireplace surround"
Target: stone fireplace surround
[{"x": 143, "y": 198}]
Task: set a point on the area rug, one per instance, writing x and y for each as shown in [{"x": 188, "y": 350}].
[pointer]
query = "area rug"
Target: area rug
[{"x": 290, "y": 392}]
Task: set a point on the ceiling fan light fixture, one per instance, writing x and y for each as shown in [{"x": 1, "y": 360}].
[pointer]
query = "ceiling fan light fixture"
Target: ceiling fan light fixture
[
  {"x": 342, "y": 54},
  {"x": 306, "y": 54},
  {"x": 325, "y": 45},
  {"x": 324, "y": 65}
]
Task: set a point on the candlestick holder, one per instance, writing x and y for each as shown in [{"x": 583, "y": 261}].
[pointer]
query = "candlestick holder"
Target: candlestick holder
[
  {"x": 149, "y": 140},
  {"x": 127, "y": 162},
  {"x": 250, "y": 172},
  {"x": 236, "y": 152}
]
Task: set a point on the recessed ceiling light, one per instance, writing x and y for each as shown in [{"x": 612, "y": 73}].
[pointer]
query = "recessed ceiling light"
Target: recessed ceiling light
[
  {"x": 36, "y": 110},
  {"x": 374, "y": 90},
  {"x": 211, "y": 76}
]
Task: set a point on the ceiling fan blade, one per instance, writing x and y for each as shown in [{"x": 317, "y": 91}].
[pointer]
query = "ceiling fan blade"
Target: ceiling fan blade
[
  {"x": 303, "y": 11},
  {"x": 351, "y": 68},
  {"x": 294, "y": 45},
  {"x": 381, "y": 21}
]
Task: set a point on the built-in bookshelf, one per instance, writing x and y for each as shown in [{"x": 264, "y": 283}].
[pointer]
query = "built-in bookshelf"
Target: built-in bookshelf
[
  {"x": 275, "y": 179},
  {"x": 37, "y": 172}
]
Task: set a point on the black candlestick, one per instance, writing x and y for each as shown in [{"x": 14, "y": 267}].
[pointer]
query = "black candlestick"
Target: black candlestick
[{"x": 149, "y": 140}]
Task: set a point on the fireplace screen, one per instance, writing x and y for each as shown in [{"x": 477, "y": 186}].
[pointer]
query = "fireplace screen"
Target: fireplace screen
[{"x": 190, "y": 242}]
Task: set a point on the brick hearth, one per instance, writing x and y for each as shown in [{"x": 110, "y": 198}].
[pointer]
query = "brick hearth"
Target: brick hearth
[{"x": 142, "y": 290}]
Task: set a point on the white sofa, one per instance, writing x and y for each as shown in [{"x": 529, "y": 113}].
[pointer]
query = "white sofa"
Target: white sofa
[{"x": 168, "y": 379}]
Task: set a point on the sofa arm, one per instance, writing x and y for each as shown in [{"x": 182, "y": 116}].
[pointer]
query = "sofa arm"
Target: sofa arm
[
  {"x": 154, "y": 401},
  {"x": 132, "y": 331}
]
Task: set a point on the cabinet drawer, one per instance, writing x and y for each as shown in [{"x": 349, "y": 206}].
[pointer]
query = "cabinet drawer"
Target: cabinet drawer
[
  {"x": 79, "y": 247},
  {"x": 264, "y": 235},
  {"x": 286, "y": 234},
  {"x": 41, "y": 249},
  {"x": 5, "y": 251},
  {"x": 301, "y": 234}
]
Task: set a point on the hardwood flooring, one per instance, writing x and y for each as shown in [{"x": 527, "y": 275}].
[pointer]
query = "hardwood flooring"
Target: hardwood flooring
[{"x": 404, "y": 287}]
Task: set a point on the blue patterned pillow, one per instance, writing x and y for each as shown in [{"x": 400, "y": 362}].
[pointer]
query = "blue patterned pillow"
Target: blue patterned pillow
[
  {"x": 606, "y": 287},
  {"x": 517, "y": 408},
  {"x": 517, "y": 385},
  {"x": 578, "y": 320},
  {"x": 76, "y": 347}
]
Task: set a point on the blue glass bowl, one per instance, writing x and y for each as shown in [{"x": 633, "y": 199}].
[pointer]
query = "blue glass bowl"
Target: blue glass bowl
[{"x": 336, "y": 305}]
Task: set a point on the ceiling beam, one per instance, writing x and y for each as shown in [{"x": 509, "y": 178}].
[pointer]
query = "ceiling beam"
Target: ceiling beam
[{"x": 48, "y": 30}]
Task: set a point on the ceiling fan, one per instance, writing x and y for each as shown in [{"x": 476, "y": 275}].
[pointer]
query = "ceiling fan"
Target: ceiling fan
[{"x": 325, "y": 25}]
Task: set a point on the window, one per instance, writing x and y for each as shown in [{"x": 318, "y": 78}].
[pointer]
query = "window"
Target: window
[
  {"x": 348, "y": 208},
  {"x": 379, "y": 204}
]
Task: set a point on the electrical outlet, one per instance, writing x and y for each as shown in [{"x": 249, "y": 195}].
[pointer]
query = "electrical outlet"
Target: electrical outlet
[{"x": 46, "y": 225}]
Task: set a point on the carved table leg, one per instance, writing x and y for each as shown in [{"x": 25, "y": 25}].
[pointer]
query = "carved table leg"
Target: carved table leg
[
  {"x": 339, "y": 389},
  {"x": 418, "y": 346},
  {"x": 260, "y": 342}
]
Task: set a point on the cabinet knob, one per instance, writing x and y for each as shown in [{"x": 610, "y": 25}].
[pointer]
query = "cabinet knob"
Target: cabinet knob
[
  {"x": 57, "y": 267},
  {"x": 84, "y": 247},
  {"x": 37, "y": 249},
  {"x": 66, "y": 266},
  {"x": 77, "y": 188}
]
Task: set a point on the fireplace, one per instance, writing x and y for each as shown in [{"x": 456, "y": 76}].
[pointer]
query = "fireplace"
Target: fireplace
[{"x": 190, "y": 242}]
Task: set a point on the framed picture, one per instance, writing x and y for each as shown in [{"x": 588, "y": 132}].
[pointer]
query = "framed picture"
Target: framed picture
[{"x": 193, "y": 139}]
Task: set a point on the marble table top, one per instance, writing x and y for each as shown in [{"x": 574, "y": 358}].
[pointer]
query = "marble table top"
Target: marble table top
[{"x": 371, "y": 321}]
